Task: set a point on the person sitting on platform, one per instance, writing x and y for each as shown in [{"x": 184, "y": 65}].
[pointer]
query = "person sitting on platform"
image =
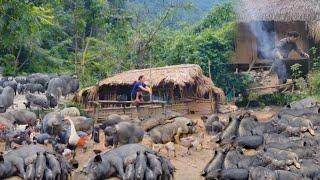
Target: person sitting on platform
[{"x": 138, "y": 88}]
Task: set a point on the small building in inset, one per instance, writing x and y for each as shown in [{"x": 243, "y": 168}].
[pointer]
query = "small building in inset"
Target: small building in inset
[{"x": 262, "y": 23}]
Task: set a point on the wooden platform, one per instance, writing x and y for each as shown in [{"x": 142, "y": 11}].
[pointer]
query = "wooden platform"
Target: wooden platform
[
  {"x": 194, "y": 106},
  {"x": 101, "y": 109}
]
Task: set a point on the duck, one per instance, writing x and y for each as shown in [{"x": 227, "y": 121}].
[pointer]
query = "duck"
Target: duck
[{"x": 75, "y": 140}]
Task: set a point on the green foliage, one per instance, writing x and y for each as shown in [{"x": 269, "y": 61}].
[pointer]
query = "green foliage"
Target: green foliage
[
  {"x": 20, "y": 27},
  {"x": 296, "y": 71},
  {"x": 98, "y": 38},
  {"x": 7, "y": 62},
  {"x": 217, "y": 17},
  {"x": 314, "y": 82},
  {"x": 211, "y": 40},
  {"x": 315, "y": 58},
  {"x": 314, "y": 77},
  {"x": 279, "y": 99},
  {"x": 302, "y": 85},
  {"x": 275, "y": 99}
]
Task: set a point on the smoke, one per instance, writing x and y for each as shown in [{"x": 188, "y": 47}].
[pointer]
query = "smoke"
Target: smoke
[
  {"x": 265, "y": 36},
  {"x": 263, "y": 31}
]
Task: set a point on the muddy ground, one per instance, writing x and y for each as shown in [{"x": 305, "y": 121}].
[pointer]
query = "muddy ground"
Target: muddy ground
[
  {"x": 188, "y": 166},
  {"x": 19, "y": 99}
]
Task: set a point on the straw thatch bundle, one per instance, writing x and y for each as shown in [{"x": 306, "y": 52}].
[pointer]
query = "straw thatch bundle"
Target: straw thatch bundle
[
  {"x": 281, "y": 10},
  {"x": 88, "y": 93},
  {"x": 314, "y": 29},
  {"x": 220, "y": 96}
]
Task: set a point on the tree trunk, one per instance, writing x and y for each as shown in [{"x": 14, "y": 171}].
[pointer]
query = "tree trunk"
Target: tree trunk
[
  {"x": 83, "y": 62},
  {"x": 75, "y": 41},
  {"x": 16, "y": 62}
]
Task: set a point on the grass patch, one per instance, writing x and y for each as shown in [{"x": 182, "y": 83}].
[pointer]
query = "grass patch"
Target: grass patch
[{"x": 275, "y": 99}]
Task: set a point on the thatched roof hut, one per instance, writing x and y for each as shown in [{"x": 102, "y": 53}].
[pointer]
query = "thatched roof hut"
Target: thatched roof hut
[
  {"x": 178, "y": 75},
  {"x": 170, "y": 83},
  {"x": 282, "y": 16},
  {"x": 282, "y": 11}
]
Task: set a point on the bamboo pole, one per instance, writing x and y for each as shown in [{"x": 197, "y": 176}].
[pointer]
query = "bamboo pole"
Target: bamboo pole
[
  {"x": 150, "y": 76},
  {"x": 266, "y": 87}
]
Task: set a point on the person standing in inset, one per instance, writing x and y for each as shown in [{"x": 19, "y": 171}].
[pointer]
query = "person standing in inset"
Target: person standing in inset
[
  {"x": 138, "y": 88},
  {"x": 282, "y": 50}
]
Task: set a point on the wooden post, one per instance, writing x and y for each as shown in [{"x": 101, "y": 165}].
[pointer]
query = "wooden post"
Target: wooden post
[
  {"x": 97, "y": 109},
  {"x": 150, "y": 77},
  {"x": 210, "y": 92},
  {"x": 171, "y": 93}
]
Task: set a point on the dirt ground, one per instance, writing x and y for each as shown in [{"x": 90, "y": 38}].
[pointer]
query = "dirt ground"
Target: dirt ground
[
  {"x": 19, "y": 99},
  {"x": 188, "y": 166}
]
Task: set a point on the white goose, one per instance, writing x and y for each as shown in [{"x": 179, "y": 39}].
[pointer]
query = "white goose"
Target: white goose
[{"x": 75, "y": 140}]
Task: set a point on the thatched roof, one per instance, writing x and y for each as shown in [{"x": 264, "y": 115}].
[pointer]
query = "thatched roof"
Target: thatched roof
[
  {"x": 278, "y": 10},
  {"x": 179, "y": 75},
  {"x": 314, "y": 29},
  {"x": 281, "y": 10}
]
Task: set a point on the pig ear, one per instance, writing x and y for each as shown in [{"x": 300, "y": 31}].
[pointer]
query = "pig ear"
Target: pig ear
[
  {"x": 97, "y": 158},
  {"x": 279, "y": 116},
  {"x": 97, "y": 151}
]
